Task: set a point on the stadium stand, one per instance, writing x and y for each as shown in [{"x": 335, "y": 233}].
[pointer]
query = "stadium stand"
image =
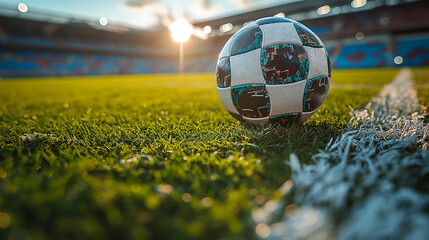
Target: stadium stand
[
  {"x": 28, "y": 63},
  {"x": 414, "y": 49},
  {"x": 352, "y": 53},
  {"x": 38, "y": 48}
]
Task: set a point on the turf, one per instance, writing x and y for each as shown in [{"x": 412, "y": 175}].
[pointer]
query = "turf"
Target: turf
[
  {"x": 150, "y": 156},
  {"x": 421, "y": 77}
]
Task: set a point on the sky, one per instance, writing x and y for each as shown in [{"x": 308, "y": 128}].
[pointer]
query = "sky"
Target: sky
[{"x": 142, "y": 13}]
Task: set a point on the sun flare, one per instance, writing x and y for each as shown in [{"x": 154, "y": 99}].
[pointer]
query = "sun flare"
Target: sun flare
[{"x": 181, "y": 30}]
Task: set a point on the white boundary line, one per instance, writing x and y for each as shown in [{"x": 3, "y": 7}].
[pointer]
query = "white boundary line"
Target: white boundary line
[{"x": 366, "y": 181}]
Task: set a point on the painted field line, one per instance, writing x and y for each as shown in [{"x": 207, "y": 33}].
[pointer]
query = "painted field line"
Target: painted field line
[{"x": 370, "y": 183}]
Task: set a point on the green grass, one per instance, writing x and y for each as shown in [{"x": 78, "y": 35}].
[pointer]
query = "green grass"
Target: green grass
[
  {"x": 421, "y": 77},
  {"x": 150, "y": 156}
]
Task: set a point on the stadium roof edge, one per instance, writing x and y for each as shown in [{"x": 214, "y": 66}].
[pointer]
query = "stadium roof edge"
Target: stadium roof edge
[
  {"x": 72, "y": 23},
  {"x": 288, "y": 8},
  {"x": 8, "y": 11},
  {"x": 296, "y": 8}
]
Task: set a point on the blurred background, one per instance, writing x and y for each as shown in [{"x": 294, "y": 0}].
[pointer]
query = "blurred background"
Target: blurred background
[{"x": 98, "y": 37}]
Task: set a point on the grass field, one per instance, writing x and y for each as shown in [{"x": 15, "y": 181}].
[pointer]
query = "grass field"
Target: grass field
[
  {"x": 421, "y": 77},
  {"x": 152, "y": 156}
]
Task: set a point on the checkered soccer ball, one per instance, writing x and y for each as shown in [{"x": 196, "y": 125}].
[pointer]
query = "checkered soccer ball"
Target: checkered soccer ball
[{"x": 273, "y": 70}]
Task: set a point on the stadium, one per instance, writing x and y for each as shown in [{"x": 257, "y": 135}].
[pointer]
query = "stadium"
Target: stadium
[{"x": 114, "y": 123}]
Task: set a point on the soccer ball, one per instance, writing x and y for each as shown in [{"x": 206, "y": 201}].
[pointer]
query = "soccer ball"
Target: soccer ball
[{"x": 273, "y": 70}]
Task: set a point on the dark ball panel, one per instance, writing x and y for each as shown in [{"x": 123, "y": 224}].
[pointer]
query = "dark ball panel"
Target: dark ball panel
[
  {"x": 315, "y": 92},
  {"x": 286, "y": 119},
  {"x": 268, "y": 20},
  {"x": 223, "y": 73},
  {"x": 329, "y": 64},
  {"x": 308, "y": 38},
  {"x": 246, "y": 41},
  {"x": 251, "y": 100},
  {"x": 284, "y": 63}
]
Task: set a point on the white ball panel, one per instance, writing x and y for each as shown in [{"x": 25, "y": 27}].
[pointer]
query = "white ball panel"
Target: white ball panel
[
  {"x": 286, "y": 98},
  {"x": 329, "y": 82},
  {"x": 225, "y": 98},
  {"x": 246, "y": 68},
  {"x": 282, "y": 32},
  {"x": 318, "y": 64},
  {"x": 256, "y": 120},
  {"x": 226, "y": 50}
]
